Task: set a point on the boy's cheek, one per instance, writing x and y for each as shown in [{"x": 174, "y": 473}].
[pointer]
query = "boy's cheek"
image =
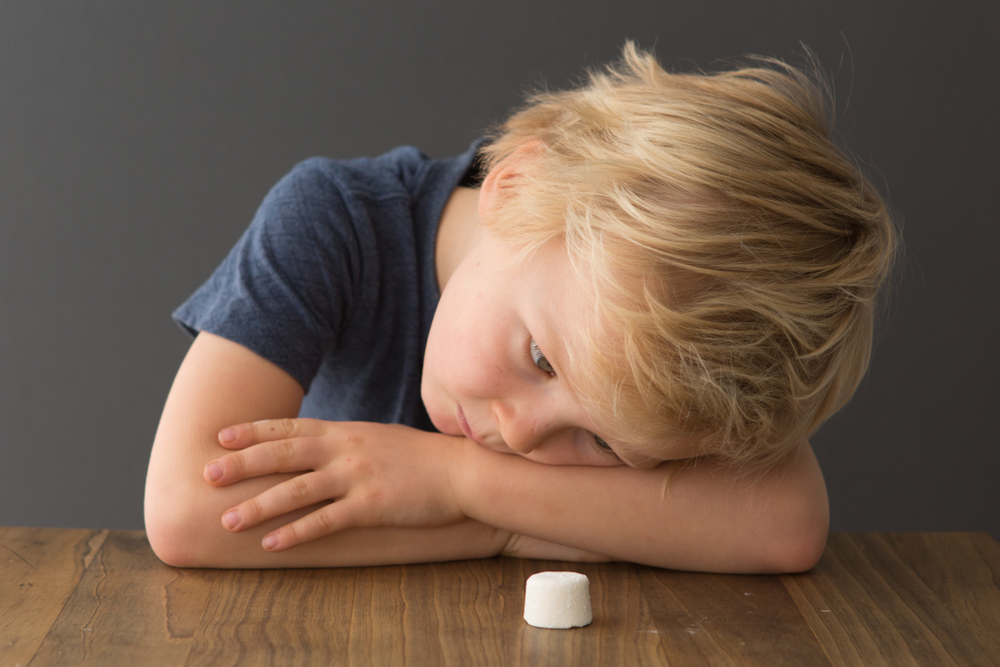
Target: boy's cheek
[{"x": 435, "y": 403}]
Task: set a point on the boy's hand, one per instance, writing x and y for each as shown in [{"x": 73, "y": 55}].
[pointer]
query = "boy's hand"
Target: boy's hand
[{"x": 371, "y": 474}]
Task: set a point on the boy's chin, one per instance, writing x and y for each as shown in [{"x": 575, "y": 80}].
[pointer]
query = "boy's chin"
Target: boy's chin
[{"x": 443, "y": 422}]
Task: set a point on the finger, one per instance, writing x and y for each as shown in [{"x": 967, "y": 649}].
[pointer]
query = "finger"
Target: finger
[
  {"x": 287, "y": 455},
  {"x": 293, "y": 494},
  {"x": 252, "y": 433},
  {"x": 325, "y": 521}
]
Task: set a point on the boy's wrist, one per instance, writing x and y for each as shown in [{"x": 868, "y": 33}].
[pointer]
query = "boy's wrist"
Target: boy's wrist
[
  {"x": 457, "y": 467},
  {"x": 464, "y": 464},
  {"x": 465, "y": 467}
]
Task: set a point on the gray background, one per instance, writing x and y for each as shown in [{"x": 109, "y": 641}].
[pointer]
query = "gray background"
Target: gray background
[{"x": 137, "y": 139}]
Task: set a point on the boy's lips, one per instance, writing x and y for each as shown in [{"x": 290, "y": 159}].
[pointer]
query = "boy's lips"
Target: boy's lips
[{"x": 464, "y": 425}]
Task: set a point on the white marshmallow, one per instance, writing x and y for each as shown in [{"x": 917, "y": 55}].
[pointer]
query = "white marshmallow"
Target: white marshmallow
[{"x": 558, "y": 600}]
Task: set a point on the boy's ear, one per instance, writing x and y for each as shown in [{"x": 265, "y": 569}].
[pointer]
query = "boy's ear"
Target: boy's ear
[{"x": 505, "y": 174}]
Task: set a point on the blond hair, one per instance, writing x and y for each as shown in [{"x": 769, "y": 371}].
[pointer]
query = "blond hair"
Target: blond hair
[{"x": 735, "y": 251}]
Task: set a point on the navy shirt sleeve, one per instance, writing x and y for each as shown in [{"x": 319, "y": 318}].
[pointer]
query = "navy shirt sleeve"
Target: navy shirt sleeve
[{"x": 288, "y": 287}]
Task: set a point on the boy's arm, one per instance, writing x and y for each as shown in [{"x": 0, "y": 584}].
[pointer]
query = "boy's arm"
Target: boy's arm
[
  {"x": 705, "y": 518},
  {"x": 221, "y": 383}
]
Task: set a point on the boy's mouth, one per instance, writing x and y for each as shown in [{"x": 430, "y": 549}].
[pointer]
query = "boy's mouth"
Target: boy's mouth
[{"x": 464, "y": 425}]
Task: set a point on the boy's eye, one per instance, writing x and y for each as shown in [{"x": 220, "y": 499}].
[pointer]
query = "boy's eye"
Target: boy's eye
[
  {"x": 605, "y": 449},
  {"x": 539, "y": 358},
  {"x": 599, "y": 441}
]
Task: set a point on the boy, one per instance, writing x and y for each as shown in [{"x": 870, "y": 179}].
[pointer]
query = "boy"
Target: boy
[{"x": 606, "y": 334}]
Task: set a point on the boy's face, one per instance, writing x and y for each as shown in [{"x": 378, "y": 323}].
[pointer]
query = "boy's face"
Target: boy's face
[{"x": 497, "y": 343}]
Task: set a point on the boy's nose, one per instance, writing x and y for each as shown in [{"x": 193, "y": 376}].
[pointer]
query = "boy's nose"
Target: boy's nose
[{"x": 518, "y": 430}]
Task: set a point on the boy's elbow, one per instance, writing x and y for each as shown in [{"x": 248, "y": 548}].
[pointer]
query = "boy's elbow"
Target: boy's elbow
[
  {"x": 167, "y": 540},
  {"x": 796, "y": 518},
  {"x": 172, "y": 534},
  {"x": 798, "y": 541},
  {"x": 800, "y": 551},
  {"x": 176, "y": 525}
]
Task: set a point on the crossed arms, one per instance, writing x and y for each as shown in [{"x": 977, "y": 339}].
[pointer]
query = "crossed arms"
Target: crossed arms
[{"x": 407, "y": 496}]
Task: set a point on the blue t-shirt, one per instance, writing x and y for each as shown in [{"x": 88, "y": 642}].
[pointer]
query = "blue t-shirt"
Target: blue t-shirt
[{"x": 335, "y": 282}]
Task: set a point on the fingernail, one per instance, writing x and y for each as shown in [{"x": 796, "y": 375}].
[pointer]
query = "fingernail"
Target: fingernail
[
  {"x": 214, "y": 471},
  {"x": 231, "y": 518},
  {"x": 269, "y": 542},
  {"x": 227, "y": 434}
]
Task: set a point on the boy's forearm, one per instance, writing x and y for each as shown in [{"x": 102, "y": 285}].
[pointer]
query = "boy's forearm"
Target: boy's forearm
[
  {"x": 357, "y": 547},
  {"x": 187, "y": 532},
  {"x": 183, "y": 520},
  {"x": 705, "y": 518}
]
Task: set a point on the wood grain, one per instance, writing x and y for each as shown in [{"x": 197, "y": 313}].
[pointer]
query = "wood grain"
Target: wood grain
[
  {"x": 710, "y": 619},
  {"x": 40, "y": 569},
  {"x": 868, "y": 606},
  {"x": 963, "y": 571},
  {"x": 99, "y": 598},
  {"x": 128, "y": 609}
]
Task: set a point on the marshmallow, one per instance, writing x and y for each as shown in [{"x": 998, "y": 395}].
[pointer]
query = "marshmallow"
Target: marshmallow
[{"x": 558, "y": 600}]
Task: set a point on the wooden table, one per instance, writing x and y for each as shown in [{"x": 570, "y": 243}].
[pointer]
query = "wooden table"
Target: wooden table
[{"x": 95, "y": 597}]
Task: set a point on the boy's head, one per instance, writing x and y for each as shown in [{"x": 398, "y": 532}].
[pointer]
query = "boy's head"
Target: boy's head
[{"x": 735, "y": 251}]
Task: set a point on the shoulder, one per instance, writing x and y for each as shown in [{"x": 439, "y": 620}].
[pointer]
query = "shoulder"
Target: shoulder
[
  {"x": 396, "y": 172},
  {"x": 402, "y": 191},
  {"x": 402, "y": 171},
  {"x": 321, "y": 196}
]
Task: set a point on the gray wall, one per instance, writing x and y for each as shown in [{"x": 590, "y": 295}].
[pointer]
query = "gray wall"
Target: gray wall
[{"x": 136, "y": 140}]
